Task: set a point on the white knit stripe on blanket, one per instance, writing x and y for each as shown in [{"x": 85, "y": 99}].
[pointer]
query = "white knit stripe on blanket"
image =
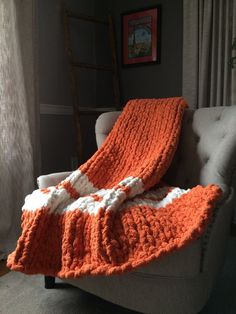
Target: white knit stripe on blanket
[{"x": 59, "y": 201}]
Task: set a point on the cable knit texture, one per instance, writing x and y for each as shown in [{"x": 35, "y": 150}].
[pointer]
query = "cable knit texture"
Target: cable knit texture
[{"x": 113, "y": 214}]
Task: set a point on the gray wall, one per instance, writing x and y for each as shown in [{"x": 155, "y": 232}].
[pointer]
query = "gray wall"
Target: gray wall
[
  {"x": 57, "y": 133},
  {"x": 165, "y": 79},
  {"x": 54, "y": 85}
]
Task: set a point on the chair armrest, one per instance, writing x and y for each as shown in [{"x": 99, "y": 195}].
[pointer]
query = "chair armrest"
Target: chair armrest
[
  {"x": 104, "y": 125},
  {"x": 52, "y": 179},
  {"x": 215, "y": 238}
]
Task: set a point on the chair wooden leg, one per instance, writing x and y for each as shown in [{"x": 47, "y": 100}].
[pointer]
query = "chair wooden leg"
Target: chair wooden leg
[{"x": 49, "y": 282}]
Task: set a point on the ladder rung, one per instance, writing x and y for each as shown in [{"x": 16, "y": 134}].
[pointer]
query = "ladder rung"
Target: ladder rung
[
  {"x": 97, "y": 109},
  {"x": 92, "y": 66},
  {"x": 85, "y": 17}
]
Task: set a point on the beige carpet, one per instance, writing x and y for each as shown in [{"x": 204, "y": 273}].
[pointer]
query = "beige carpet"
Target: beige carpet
[{"x": 21, "y": 294}]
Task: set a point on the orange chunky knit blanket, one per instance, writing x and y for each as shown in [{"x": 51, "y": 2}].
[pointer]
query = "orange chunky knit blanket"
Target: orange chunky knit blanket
[{"x": 113, "y": 214}]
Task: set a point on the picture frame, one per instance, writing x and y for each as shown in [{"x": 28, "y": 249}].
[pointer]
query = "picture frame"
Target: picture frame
[{"x": 141, "y": 36}]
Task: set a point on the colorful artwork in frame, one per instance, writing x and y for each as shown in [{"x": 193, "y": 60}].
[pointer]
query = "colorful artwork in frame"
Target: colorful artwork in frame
[{"x": 141, "y": 36}]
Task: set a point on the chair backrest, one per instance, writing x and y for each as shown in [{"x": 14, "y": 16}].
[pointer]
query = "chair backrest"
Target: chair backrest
[{"x": 207, "y": 148}]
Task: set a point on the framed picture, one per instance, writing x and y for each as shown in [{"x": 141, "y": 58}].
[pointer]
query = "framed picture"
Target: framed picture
[{"x": 141, "y": 36}]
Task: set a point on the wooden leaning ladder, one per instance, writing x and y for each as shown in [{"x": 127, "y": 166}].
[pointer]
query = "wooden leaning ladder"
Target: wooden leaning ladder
[{"x": 73, "y": 64}]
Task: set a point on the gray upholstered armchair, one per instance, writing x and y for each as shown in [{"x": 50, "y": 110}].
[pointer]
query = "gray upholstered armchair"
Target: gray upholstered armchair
[{"x": 181, "y": 282}]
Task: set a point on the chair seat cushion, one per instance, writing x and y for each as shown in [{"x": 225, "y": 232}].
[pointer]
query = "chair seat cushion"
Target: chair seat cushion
[
  {"x": 172, "y": 284},
  {"x": 181, "y": 263}
]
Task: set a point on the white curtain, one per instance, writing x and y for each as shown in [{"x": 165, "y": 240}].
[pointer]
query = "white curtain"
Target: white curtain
[
  {"x": 209, "y": 29},
  {"x": 18, "y": 116}
]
